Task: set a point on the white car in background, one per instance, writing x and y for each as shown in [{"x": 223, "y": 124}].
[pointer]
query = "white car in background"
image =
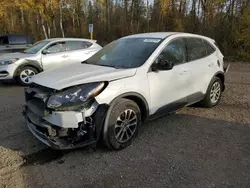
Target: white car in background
[
  {"x": 130, "y": 80},
  {"x": 45, "y": 55}
]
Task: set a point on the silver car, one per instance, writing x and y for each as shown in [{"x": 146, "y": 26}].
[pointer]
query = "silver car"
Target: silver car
[{"x": 44, "y": 55}]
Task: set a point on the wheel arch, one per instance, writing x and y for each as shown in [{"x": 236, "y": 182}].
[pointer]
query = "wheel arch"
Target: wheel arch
[
  {"x": 28, "y": 64},
  {"x": 221, "y": 76},
  {"x": 137, "y": 98}
]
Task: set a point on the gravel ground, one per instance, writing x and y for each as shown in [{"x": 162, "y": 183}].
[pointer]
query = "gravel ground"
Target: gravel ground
[{"x": 195, "y": 147}]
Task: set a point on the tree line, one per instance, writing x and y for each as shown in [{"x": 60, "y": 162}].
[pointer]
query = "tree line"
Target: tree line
[{"x": 227, "y": 21}]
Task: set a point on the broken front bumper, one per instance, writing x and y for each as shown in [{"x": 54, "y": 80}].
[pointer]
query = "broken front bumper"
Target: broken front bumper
[{"x": 64, "y": 129}]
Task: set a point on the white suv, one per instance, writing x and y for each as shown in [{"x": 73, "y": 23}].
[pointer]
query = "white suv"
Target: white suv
[{"x": 130, "y": 80}]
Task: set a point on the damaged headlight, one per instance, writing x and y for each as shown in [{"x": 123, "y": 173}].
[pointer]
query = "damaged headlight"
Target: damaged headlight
[{"x": 75, "y": 96}]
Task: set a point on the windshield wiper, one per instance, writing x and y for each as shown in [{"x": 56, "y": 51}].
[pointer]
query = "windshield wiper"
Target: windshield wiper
[{"x": 116, "y": 67}]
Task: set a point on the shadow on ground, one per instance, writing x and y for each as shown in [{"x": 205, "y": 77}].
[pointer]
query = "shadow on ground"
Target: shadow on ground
[{"x": 174, "y": 151}]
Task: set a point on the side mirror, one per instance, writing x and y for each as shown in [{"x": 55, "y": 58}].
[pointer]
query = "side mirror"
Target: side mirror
[
  {"x": 162, "y": 64},
  {"x": 45, "y": 51}
]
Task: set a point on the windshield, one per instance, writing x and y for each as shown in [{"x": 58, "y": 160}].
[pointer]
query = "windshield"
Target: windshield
[
  {"x": 125, "y": 53},
  {"x": 36, "y": 47}
]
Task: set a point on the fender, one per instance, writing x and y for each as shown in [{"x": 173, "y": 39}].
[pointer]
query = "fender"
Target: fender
[
  {"x": 32, "y": 63},
  {"x": 128, "y": 95},
  {"x": 221, "y": 75}
]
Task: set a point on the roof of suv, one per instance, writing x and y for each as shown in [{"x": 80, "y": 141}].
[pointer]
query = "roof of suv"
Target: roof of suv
[
  {"x": 152, "y": 35},
  {"x": 66, "y": 39},
  {"x": 161, "y": 35}
]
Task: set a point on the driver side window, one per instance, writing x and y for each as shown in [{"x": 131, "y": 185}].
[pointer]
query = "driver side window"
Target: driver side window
[
  {"x": 175, "y": 52},
  {"x": 56, "y": 47}
]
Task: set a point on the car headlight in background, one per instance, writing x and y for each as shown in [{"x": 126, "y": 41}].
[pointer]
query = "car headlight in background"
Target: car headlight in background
[
  {"x": 76, "y": 96},
  {"x": 8, "y": 61}
]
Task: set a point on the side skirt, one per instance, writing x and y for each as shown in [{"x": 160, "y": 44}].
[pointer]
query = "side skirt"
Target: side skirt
[{"x": 172, "y": 107}]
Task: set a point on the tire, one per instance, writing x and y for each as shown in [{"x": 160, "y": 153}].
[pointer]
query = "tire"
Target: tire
[
  {"x": 25, "y": 71},
  {"x": 123, "y": 123},
  {"x": 215, "y": 85}
]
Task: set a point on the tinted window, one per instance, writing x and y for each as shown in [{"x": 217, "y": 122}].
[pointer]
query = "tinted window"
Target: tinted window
[
  {"x": 76, "y": 45},
  {"x": 88, "y": 44},
  {"x": 210, "y": 49},
  {"x": 18, "y": 39},
  {"x": 4, "y": 40},
  {"x": 175, "y": 52},
  {"x": 196, "y": 49},
  {"x": 57, "y": 47},
  {"x": 125, "y": 53}
]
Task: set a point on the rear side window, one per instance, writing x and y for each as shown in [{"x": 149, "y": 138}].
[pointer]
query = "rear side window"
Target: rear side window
[
  {"x": 175, "y": 52},
  {"x": 210, "y": 49},
  {"x": 4, "y": 40},
  {"x": 76, "y": 45},
  {"x": 196, "y": 49},
  {"x": 88, "y": 44}
]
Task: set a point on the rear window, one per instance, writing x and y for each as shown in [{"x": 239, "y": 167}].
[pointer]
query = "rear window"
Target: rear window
[
  {"x": 76, "y": 45},
  {"x": 88, "y": 44}
]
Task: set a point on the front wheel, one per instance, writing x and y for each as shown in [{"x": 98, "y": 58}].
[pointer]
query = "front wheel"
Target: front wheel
[
  {"x": 24, "y": 75},
  {"x": 213, "y": 94},
  {"x": 123, "y": 123}
]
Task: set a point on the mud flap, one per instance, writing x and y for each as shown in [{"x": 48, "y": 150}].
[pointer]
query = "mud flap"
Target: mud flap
[{"x": 226, "y": 68}]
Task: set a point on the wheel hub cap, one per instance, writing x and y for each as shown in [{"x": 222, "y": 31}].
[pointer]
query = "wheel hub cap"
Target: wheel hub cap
[
  {"x": 215, "y": 92},
  {"x": 125, "y": 126},
  {"x": 26, "y": 75}
]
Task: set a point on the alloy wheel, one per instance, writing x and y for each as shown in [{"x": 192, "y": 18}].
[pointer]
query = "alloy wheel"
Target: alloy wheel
[
  {"x": 126, "y": 125},
  {"x": 215, "y": 92},
  {"x": 26, "y": 75}
]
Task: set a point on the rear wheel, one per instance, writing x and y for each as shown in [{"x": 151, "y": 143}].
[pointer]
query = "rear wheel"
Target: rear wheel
[
  {"x": 123, "y": 123},
  {"x": 213, "y": 94},
  {"x": 24, "y": 75}
]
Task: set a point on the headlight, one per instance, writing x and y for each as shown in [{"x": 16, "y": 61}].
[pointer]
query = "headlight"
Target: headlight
[
  {"x": 8, "y": 61},
  {"x": 76, "y": 96}
]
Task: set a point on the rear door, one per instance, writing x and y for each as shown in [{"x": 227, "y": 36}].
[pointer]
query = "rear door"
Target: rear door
[
  {"x": 200, "y": 61},
  {"x": 56, "y": 55},
  {"x": 79, "y": 50}
]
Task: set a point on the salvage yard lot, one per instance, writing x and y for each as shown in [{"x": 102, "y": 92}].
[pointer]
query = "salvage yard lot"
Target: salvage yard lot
[{"x": 195, "y": 147}]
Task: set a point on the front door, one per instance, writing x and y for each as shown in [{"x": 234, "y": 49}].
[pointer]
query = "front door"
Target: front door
[
  {"x": 169, "y": 89},
  {"x": 55, "y": 55}
]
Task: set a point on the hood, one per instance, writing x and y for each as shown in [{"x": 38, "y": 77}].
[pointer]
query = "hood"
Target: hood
[
  {"x": 18, "y": 55},
  {"x": 76, "y": 74}
]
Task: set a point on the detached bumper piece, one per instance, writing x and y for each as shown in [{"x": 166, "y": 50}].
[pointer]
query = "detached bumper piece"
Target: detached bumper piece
[{"x": 87, "y": 133}]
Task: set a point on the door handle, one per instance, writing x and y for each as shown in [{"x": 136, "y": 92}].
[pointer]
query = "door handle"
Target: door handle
[
  {"x": 64, "y": 56},
  {"x": 184, "y": 72},
  {"x": 211, "y": 65}
]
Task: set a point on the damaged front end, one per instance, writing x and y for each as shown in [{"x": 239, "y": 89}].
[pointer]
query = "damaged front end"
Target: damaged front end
[{"x": 67, "y": 125}]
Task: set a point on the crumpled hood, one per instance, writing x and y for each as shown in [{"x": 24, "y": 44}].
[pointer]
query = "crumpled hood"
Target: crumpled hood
[
  {"x": 15, "y": 55},
  {"x": 76, "y": 74}
]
